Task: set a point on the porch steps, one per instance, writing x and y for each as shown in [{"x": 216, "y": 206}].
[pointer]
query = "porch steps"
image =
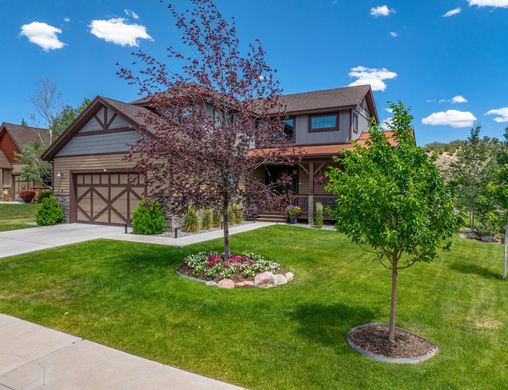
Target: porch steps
[{"x": 281, "y": 218}]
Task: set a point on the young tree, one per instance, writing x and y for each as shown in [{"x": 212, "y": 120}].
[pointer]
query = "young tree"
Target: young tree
[
  {"x": 498, "y": 189},
  {"x": 214, "y": 104},
  {"x": 470, "y": 174},
  {"x": 393, "y": 199}
]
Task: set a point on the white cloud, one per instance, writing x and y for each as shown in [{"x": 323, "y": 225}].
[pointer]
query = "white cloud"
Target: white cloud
[
  {"x": 500, "y": 113},
  {"x": 393, "y": 34},
  {"x": 454, "y": 100},
  {"x": 452, "y": 12},
  {"x": 389, "y": 110},
  {"x": 119, "y": 32},
  {"x": 451, "y": 118},
  {"x": 131, "y": 14},
  {"x": 43, "y": 35},
  {"x": 489, "y": 3},
  {"x": 387, "y": 123},
  {"x": 67, "y": 20},
  {"x": 374, "y": 76},
  {"x": 381, "y": 10}
]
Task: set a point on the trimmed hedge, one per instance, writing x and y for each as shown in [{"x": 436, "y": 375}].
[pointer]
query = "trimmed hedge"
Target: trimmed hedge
[
  {"x": 43, "y": 195},
  {"x": 50, "y": 212},
  {"x": 148, "y": 218}
]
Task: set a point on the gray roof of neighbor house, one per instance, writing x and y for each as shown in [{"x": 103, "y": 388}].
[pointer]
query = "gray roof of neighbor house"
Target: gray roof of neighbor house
[
  {"x": 4, "y": 162},
  {"x": 23, "y": 135}
]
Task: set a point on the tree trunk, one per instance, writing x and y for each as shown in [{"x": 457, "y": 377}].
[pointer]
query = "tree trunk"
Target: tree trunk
[
  {"x": 393, "y": 305},
  {"x": 505, "y": 250},
  {"x": 471, "y": 222},
  {"x": 225, "y": 224}
]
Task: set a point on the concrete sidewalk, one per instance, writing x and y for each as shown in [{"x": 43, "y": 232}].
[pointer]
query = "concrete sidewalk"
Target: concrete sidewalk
[
  {"x": 34, "y": 357},
  {"x": 190, "y": 239}
]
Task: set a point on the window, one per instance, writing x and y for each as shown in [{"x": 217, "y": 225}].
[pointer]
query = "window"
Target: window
[
  {"x": 289, "y": 128},
  {"x": 355, "y": 122},
  {"x": 323, "y": 122}
]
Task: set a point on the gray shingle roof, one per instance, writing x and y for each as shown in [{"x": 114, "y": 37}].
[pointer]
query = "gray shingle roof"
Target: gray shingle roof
[{"x": 23, "y": 135}]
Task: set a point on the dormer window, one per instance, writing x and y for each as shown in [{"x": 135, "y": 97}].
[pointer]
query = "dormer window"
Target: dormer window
[{"x": 326, "y": 122}]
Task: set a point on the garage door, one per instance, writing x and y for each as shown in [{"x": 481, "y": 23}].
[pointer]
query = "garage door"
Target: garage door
[{"x": 106, "y": 198}]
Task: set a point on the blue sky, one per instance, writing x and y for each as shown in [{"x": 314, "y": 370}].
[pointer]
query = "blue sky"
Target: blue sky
[{"x": 450, "y": 70}]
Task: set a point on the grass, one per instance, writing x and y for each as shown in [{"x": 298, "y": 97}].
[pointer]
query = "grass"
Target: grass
[
  {"x": 17, "y": 216},
  {"x": 128, "y": 296}
]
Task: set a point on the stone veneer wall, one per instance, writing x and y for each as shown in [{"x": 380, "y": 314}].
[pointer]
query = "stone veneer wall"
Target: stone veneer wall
[{"x": 64, "y": 201}]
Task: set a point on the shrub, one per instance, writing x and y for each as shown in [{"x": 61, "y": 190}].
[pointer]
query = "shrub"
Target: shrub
[
  {"x": 50, "y": 212},
  {"x": 190, "y": 220},
  {"x": 319, "y": 215},
  {"x": 206, "y": 219},
  {"x": 149, "y": 218},
  {"x": 237, "y": 210},
  {"x": 213, "y": 265},
  {"x": 27, "y": 195},
  {"x": 217, "y": 219},
  {"x": 231, "y": 214},
  {"x": 43, "y": 195}
]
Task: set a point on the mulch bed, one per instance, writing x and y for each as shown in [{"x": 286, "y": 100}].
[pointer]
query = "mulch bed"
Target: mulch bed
[
  {"x": 238, "y": 277},
  {"x": 373, "y": 338}
]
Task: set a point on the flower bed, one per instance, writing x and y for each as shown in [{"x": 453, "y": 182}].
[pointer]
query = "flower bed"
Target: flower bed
[{"x": 240, "y": 270}]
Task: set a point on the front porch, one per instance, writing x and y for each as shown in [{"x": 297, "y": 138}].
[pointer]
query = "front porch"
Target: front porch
[{"x": 307, "y": 188}]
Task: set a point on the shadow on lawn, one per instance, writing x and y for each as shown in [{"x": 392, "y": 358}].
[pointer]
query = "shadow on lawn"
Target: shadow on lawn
[
  {"x": 475, "y": 269},
  {"x": 329, "y": 324}
]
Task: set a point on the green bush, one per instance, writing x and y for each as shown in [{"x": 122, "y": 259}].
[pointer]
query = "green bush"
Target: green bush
[
  {"x": 319, "y": 215},
  {"x": 149, "y": 218},
  {"x": 231, "y": 214},
  {"x": 50, "y": 212},
  {"x": 206, "y": 219},
  {"x": 237, "y": 209},
  {"x": 217, "y": 219},
  {"x": 190, "y": 220},
  {"x": 43, "y": 195}
]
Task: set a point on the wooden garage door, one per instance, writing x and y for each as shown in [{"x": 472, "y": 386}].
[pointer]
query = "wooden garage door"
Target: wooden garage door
[{"x": 107, "y": 198}]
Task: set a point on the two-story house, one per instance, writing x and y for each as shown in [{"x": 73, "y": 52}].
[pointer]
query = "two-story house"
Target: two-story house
[
  {"x": 96, "y": 184},
  {"x": 13, "y": 139}
]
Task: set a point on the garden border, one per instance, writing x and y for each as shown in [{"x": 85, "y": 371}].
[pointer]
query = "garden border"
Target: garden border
[{"x": 385, "y": 359}]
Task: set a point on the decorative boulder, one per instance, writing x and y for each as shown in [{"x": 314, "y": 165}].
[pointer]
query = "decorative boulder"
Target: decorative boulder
[
  {"x": 226, "y": 283},
  {"x": 280, "y": 280},
  {"x": 290, "y": 276},
  {"x": 265, "y": 280},
  {"x": 248, "y": 283}
]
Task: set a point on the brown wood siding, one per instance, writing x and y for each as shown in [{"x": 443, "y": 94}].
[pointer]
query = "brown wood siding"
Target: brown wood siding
[
  {"x": 64, "y": 165},
  {"x": 8, "y": 146}
]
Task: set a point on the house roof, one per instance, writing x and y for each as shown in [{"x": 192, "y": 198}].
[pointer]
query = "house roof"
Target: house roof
[
  {"x": 327, "y": 99},
  {"x": 22, "y": 135},
  {"x": 4, "y": 162}
]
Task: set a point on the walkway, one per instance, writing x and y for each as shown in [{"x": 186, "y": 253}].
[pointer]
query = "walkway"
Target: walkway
[
  {"x": 16, "y": 242},
  {"x": 34, "y": 357}
]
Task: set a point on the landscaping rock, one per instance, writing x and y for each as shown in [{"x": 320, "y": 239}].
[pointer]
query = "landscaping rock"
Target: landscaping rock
[
  {"x": 211, "y": 283},
  {"x": 265, "y": 280},
  {"x": 290, "y": 276},
  {"x": 280, "y": 279},
  {"x": 248, "y": 283},
  {"x": 226, "y": 283},
  {"x": 239, "y": 284}
]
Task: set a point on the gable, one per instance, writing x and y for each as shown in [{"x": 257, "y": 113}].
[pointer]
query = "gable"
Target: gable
[
  {"x": 8, "y": 146},
  {"x": 102, "y": 130}
]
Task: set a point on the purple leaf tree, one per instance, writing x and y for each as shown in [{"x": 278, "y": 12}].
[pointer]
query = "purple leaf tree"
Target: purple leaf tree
[{"x": 214, "y": 118}]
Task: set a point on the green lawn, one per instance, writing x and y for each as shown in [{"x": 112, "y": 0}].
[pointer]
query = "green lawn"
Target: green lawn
[
  {"x": 17, "y": 216},
  {"x": 128, "y": 296}
]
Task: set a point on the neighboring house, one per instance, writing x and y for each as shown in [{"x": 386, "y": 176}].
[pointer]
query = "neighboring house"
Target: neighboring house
[
  {"x": 12, "y": 140},
  {"x": 96, "y": 184}
]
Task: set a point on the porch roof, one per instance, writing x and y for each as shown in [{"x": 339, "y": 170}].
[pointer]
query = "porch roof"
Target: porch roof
[{"x": 332, "y": 149}]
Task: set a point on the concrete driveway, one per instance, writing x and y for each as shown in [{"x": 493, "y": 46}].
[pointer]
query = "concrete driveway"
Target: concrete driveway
[{"x": 17, "y": 242}]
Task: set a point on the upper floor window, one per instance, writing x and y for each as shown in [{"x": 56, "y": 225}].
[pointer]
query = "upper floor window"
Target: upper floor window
[
  {"x": 355, "y": 122},
  {"x": 324, "y": 122},
  {"x": 289, "y": 127}
]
